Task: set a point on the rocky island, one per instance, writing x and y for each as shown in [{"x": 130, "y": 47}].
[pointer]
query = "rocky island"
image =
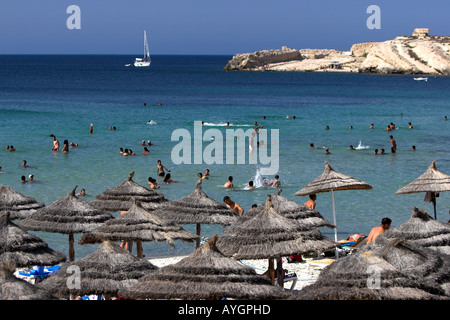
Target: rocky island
[{"x": 419, "y": 53}]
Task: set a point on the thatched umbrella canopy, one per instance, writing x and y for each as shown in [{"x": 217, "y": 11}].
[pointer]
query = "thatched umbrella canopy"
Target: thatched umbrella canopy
[
  {"x": 12, "y": 288},
  {"x": 120, "y": 198},
  {"x": 18, "y": 205},
  {"x": 271, "y": 235},
  {"x": 432, "y": 180},
  {"x": 105, "y": 271},
  {"x": 382, "y": 270},
  {"x": 331, "y": 180},
  {"x": 197, "y": 208},
  {"x": 24, "y": 249},
  {"x": 205, "y": 274},
  {"x": 304, "y": 215},
  {"x": 138, "y": 224},
  {"x": 68, "y": 215},
  {"x": 424, "y": 231}
]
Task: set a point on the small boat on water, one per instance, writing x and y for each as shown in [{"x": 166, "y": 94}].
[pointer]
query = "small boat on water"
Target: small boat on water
[
  {"x": 146, "y": 60},
  {"x": 421, "y": 79}
]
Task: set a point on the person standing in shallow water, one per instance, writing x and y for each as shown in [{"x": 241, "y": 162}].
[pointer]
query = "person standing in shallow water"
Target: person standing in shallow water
[
  {"x": 393, "y": 144},
  {"x": 160, "y": 171},
  {"x": 55, "y": 143}
]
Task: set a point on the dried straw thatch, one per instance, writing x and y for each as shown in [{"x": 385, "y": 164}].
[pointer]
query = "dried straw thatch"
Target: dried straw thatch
[
  {"x": 138, "y": 224},
  {"x": 431, "y": 180},
  {"x": 271, "y": 235},
  {"x": 16, "y": 204},
  {"x": 121, "y": 197},
  {"x": 304, "y": 215},
  {"x": 24, "y": 249},
  {"x": 205, "y": 274},
  {"x": 197, "y": 208},
  {"x": 68, "y": 215},
  {"x": 424, "y": 231},
  {"x": 382, "y": 270},
  {"x": 331, "y": 180},
  {"x": 12, "y": 288},
  {"x": 103, "y": 272}
]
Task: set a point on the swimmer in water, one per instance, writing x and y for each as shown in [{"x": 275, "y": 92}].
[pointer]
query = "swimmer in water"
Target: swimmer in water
[
  {"x": 233, "y": 205},
  {"x": 160, "y": 169},
  {"x": 229, "y": 183},
  {"x": 65, "y": 146},
  {"x": 250, "y": 185},
  {"x": 167, "y": 179},
  {"x": 276, "y": 182},
  {"x": 55, "y": 143}
]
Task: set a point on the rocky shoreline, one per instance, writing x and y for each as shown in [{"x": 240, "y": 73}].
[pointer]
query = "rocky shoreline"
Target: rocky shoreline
[{"x": 416, "y": 54}]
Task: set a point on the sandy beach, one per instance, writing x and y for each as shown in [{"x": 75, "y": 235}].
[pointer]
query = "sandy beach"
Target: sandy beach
[{"x": 307, "y": 272}]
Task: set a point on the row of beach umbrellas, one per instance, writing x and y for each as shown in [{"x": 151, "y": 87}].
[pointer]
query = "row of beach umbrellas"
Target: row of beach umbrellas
[
  {"x": 263, "y": 234},
  {"x": 403, "y": 263}
]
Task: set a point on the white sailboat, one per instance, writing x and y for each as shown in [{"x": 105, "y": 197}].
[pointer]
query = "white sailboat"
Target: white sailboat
[{"x": 146, "y": 60}]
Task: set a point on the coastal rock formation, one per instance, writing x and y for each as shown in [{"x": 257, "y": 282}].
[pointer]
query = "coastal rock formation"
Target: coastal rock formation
[
  {"x": 409, "y": 55},
  {"x": 260, "y": 59},
  {"x": 416, "y": 54}
]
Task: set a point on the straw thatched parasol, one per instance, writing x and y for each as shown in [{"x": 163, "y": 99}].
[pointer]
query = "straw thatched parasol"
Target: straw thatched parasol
[
  {"x": 138, "y": 224},
  {"x": 331, "y": 180},
  {"x": 382, "y": 270},
  {"x": 424, "y": 231},
  {"x": 12, "y": 288},
  {"x": 23, "y": 248},
  {"x": 205, "y": 274},
  {"x": 68, "y": 215},
  {"x": 18, "y": 205},
  {"x": 304, "y": 215},
  {"x": 270, "y": 235},
  {"x": 103, "y": 272},
  {"x": 432, "y": 181},
  {"x": 120, "y": 198},
  {"x": 197, "y": 208}
]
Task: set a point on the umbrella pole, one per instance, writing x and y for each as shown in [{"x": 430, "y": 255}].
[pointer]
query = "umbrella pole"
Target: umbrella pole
[
  {"x": 198, "y": 233},
  {"x": 335, "y": 224},
  {"x": 271, "y": 271},
  {"x": 139, "y": 249},
  {"x": 71, "y": 248},
  {"x": 434, "y": 204},
  {"x": 280, "y": 277}
]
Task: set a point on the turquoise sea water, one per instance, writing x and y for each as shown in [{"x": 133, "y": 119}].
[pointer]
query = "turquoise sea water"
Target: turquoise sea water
[{"x": 62, "y": 95}]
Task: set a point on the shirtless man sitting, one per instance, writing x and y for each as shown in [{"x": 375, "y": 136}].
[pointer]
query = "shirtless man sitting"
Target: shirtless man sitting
[
  {"x": 233, "y": 205},
  {"x": 376, "y": 231},
  {"x": 311, "y": 202}
]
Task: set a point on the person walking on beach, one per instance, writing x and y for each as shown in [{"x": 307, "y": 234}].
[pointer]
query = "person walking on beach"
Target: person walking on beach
[
  {"x": 233, "y": 205},
  {"x": 311, "y": 203},
  {"x": 393, "y": 144},
  {"x": 376, "y": 231},
  {"x": 160, "y": 170}
]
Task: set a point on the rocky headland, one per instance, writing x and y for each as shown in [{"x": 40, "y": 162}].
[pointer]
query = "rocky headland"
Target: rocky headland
[{"x": 416, "y": 54}]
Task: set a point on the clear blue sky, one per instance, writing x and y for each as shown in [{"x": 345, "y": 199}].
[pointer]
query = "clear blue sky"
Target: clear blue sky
[{"x": 208, "y": 26}]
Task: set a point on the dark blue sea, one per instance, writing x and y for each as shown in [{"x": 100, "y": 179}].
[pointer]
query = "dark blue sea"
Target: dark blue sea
[{"x": 62, "y": 95}]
